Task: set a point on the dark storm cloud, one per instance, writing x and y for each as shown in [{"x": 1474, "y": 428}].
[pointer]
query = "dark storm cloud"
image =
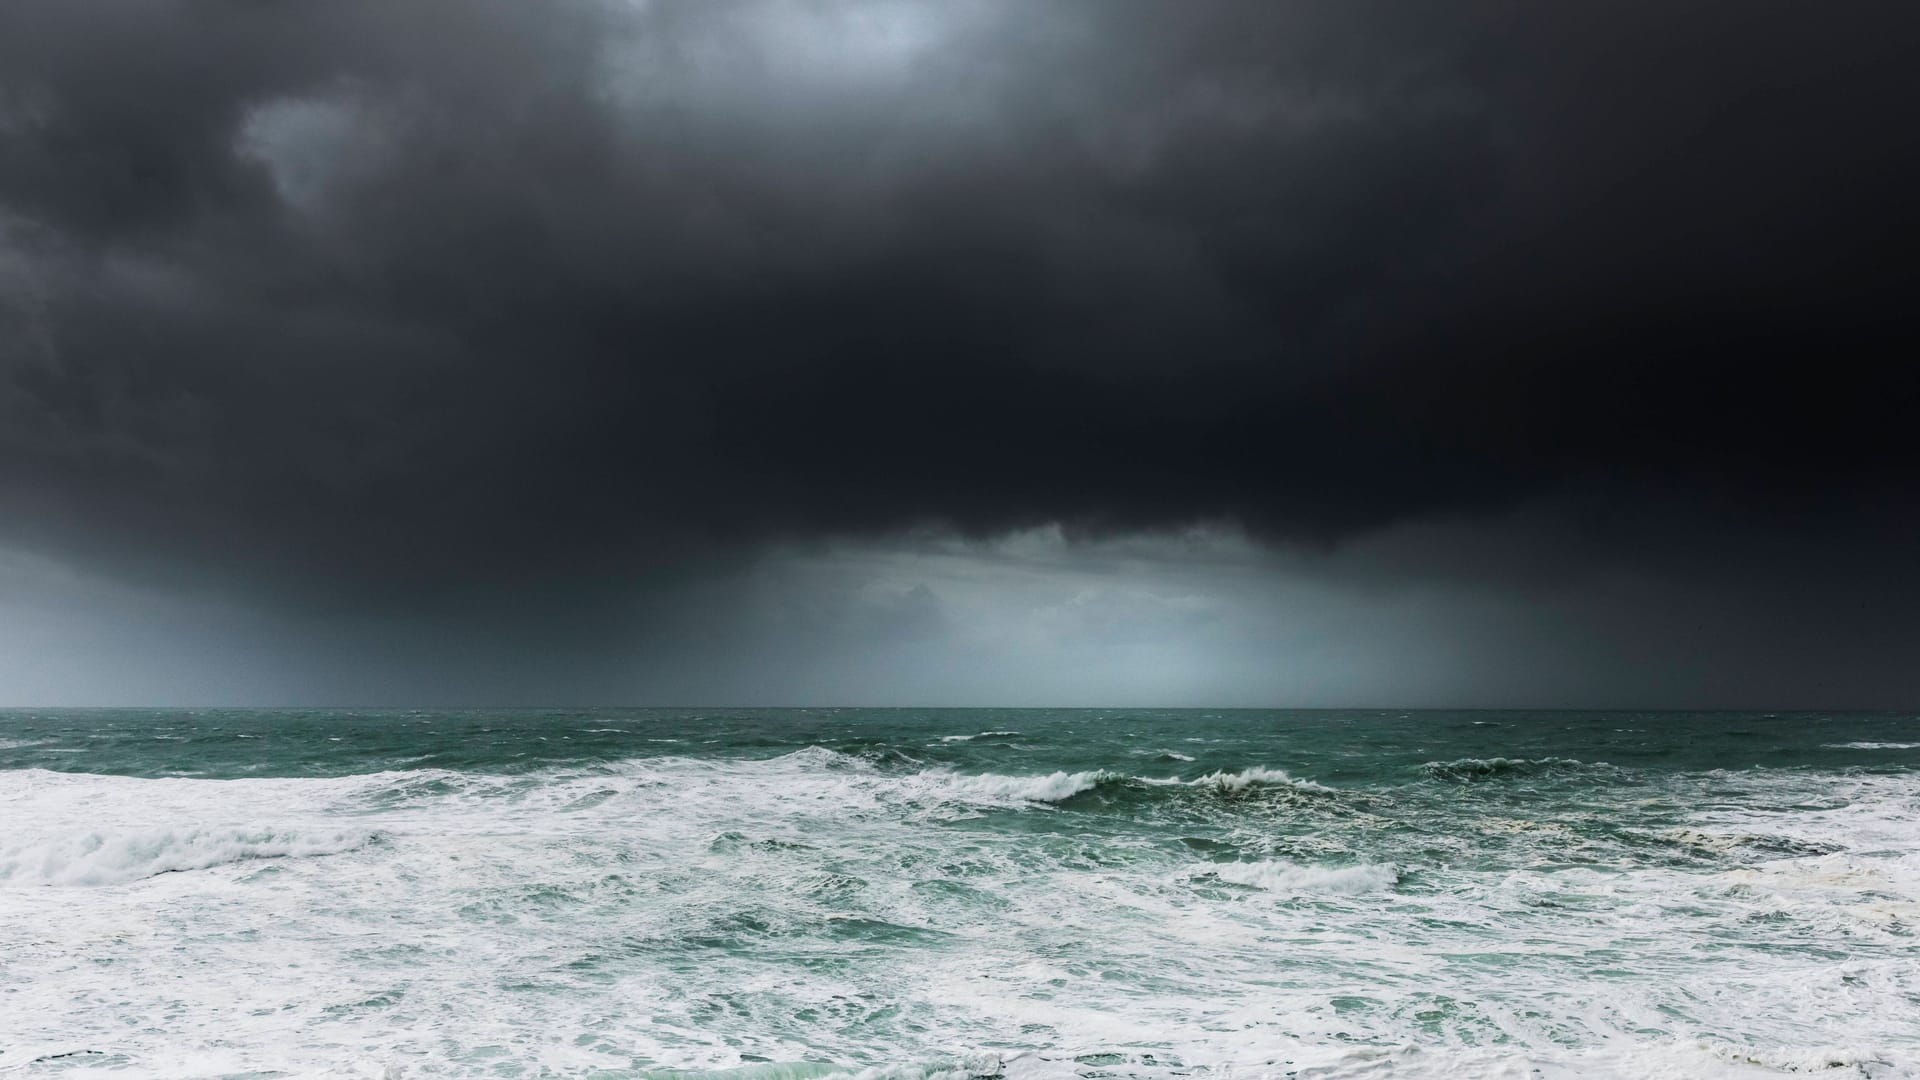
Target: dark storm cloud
[{"x": 364, "y": 298}]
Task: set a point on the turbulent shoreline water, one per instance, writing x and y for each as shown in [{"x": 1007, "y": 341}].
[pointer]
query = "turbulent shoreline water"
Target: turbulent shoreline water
[{"x": 1017, "y": 893}]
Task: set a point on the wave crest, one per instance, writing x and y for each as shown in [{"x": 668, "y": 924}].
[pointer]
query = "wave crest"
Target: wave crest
[
  {"x": 1293, "y": 879},
  {"x": 1051, "y": 788},
  {"x": 91, "y": 859},
  {"x": 1871, "y": 746},
  {"x": 1058, "y": 787},
  {"x": 1255, "y": 776},
  {"x": 1489, "y": 768}
]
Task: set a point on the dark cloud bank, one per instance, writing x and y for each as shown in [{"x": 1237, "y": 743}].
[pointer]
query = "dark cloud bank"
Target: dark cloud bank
[{"x": 486, "y": 334}]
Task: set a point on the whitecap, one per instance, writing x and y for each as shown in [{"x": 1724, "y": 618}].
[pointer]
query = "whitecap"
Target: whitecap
[
  {"x": 1294, "y": 879},
  {"x": 1255, "y": 776},
  {"x": 820, "y": 757},
  {"x": 1051, "y": 788},
  {"x": 1871, "y": 746},
  {"x": 1485, "y": 768},
  {"x": 115, "y": 858}
]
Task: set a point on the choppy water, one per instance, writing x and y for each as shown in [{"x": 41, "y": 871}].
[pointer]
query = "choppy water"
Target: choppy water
[{"x": 995, "y": 893}]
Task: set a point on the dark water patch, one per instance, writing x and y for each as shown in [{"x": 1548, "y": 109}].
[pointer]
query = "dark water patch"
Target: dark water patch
[
  {"x": 732, "y": 841},
  {"x": 1716, "y": 846},
  {"x": 949, "y": 889},
  {"x": 831, "y": 885},
  {"x": 878, "y": 931},
  {"x": 878, "y": 754},
  {"x": 731, "y": 932}
]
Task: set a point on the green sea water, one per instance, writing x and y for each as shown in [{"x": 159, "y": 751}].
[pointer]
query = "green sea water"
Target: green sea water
[{"x": 977, "y": 892}]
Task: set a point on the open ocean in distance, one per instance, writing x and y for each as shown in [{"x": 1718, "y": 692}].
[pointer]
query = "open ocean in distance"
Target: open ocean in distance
[{"x": 912, "y": 893}]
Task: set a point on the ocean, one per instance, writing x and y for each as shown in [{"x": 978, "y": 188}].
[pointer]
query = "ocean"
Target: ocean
[{"x": 916, "y": 893}]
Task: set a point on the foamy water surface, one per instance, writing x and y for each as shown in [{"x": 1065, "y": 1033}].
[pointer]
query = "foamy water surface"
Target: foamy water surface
[{"x": 1018, "y": 894}]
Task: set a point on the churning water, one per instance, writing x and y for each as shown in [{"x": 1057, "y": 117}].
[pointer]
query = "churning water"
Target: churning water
[{"x": 911, "y": 893}]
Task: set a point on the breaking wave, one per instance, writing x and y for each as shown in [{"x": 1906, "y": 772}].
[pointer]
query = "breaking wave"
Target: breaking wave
[
  {"x": 90, "y": 859},
  {"x": 1051, "y": 788},
  {"x": 1256, "y": 776},
  {"x": 1058, "y": 787},
  {"x": 1086, "y": 894},
  {"x": 1293, "y": 879},
  {"x": 1491, "y": 768},
  {"x": 1871, "y": 746}
]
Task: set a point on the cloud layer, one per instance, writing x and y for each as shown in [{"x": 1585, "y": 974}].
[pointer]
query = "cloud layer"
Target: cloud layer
[{"x": 440, "y": 309}]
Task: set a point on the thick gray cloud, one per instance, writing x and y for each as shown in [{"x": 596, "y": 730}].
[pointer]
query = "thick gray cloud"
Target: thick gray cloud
[{"x": 503, "y": 314}]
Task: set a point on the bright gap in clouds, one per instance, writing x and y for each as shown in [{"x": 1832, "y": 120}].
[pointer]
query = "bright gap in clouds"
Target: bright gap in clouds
[
  {"x": 807, "y": 50},
  {"x": 1033, "y": 617},
  {"x": 1201, "y": 617},
  {"x": 1030, "y": 618}
]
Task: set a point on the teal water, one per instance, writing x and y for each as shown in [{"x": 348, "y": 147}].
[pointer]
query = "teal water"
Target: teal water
[{"x": 985, "y": 892}]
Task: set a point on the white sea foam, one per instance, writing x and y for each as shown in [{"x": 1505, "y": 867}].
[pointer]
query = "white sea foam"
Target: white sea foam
[
  {"x": 1059, "y": 786},
  {"x": 980, "y": 735},
  {"x": 1051, "y": 788},
  {"x": 1484, "y": 768},
  {"x": 1291, "y": 879},
  {"x": 1257, "y": 776},
  {"x": 1872, "y": 746},
  {"x": 814, "y": 757},
  {"x": 114, "y": 858},
  {"x": 882, "y": 918}
]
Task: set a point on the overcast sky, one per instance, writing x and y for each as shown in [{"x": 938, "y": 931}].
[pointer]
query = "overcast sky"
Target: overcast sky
[{"x": 968, "y": 352}]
